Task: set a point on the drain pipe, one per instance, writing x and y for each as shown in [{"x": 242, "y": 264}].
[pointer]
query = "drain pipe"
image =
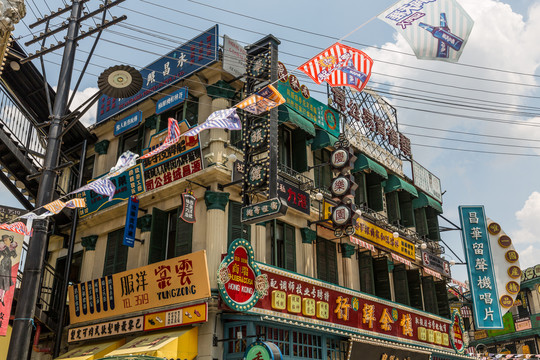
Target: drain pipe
[{"x": 35, "y": 346}]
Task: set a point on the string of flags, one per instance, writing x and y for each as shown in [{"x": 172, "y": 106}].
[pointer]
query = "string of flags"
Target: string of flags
[{"x": 488, "y": 356}]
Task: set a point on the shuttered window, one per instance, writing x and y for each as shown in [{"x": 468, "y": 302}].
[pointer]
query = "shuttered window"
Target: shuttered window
[
  {"x": 323, "y": 173},
  {"x": 392, "y": 207},
  {"x": 282, "y": 244},
  {"x": 399, "y": 208},
  {"x": 299, "y": 150},
  {"x": 382, "y": 280},
  {"x": 158, "y": 236},
  {"x": 430, "y": 297},
  {"x": 365, "y": 264},
  {"x": 401, "y": 286},
  {"x": 327, "y": 260},
  {"x": 442, "y": 299},
  {"x": 116, "y": 254},
  {"x": 132, "y": 141},
  {"x": 237, "y": 230},
  {"x": 360, "y": 195},
  {"x": 432, "y": 224},
  {"x": 374, "y": 192},
  {"x": 183, "y": 238},
  {"x": 170, "y": 236},
  {"x": 421, "y": 221},
  {"x": 415, "y": 289}
]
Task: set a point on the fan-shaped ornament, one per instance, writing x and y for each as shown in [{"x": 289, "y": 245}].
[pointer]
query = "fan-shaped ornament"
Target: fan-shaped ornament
[{"x": 120, "y": 81}]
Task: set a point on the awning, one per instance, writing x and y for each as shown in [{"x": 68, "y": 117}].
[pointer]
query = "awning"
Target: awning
[
  {"x": 395, "y": 183},
  {"x": 286, "y": 114},
  {"x": 171, "y": 345},
  {"x": 424, "y": 200},
  {"x": 322, "y": 140},
  {"x": 92, "y": 351},
  {"x": 365, "y": 163}
]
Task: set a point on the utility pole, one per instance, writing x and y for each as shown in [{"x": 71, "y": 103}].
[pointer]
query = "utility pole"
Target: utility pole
[{"x": 19, "y": 345}]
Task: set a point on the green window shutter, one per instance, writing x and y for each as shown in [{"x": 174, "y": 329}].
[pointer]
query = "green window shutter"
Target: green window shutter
[
  {"x": 360, "y": 196},
  {"x": 406, "y": 209},
  {"x": 299, "y": 148},
  {"x": 392, "y": 207},
  {"x": 236, "y": 228},
  {"x": 401, "y": 286},
  {"x": 115, "y": 254},
  {"x": 365, "y": 264},
  {"x": 415, "y": 290},
  {"x": 321, "y": 259},
  {"x": 432, "y": 224},
  {"x": 442, "y": 299},
  {"x": 323, "y": 174},
  {"x": 430, "y": 298},
  {"x": 158, "y": 236},
  {"x": 382, "y": 280},
  {"x": 184, "y": 236},
  {"x": 290, "y": 248},
  {"x": 421, "y": 221},
  {"x": 374, "y": 192},
  {"x": 327, "y": 261}
]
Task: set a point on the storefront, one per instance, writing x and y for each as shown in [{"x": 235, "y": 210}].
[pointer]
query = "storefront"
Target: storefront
[
  {"x": 309, "y": 318},
  {"x": 152, "y": 311}
]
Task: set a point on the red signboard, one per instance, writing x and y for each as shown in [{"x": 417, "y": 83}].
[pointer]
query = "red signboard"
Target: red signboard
[
  {"x": 310, "y": 300},
  {"x": 241, "y": 285}
]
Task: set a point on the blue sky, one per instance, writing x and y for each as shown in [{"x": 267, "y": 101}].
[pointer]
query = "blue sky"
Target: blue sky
[{"x": 496, "y": 77}]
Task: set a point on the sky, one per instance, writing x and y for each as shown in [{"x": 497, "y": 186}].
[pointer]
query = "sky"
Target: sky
[{"x": 474, "y": 124}]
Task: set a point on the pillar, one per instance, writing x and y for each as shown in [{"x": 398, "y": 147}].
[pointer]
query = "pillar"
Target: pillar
[
  {"x": 347, "y": 250},
  {"x": 216, "y": 233},
  {"x": 308, "y": 237},
  {"x": 89, "y": 245},
  {"x": 260, "y": 242}
]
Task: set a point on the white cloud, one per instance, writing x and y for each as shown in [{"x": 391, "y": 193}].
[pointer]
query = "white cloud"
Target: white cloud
[{"x": 527, "y": 239}]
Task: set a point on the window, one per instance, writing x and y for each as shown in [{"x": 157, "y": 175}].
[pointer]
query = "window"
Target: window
[
  {"x": 382, "y": 278},
  {"x": 132, "y": 141},
  {"x": 74, "y": 276},
  {"x": 237, "y": 229},
  {"x": 327, "y": 260},
  {"x": 323, "y": 173},
  {"x": 430, "y": 297},
  {"x": 292, "y": 148},
  {"x": 441, "y": 294},
  {"x": 399, "y": 208},
  {"x": 281, "y": 245},
  {"x": 337, "y": 349},
  {"x": 415, "y": 289},
  {"x": 365, "y": 265},
  {"x": 116, "y": 254},
  {"x": 88, "y": 170},
  {"x": 170, "y": 236},
  {"x": 374, "y": 192},
  {"x": 190, "y": 108},
  {"x": 401, "y": 286},
  {"x": 427, "y": 223}
]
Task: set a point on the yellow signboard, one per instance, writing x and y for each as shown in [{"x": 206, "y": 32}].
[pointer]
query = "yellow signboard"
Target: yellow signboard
[
  {"x": 378, "y": 236},
  {"x": 168, "y": 282}
]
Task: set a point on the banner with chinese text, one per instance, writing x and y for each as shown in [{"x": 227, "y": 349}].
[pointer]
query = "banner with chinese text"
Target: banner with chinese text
[{"x": 168, "y": 282}]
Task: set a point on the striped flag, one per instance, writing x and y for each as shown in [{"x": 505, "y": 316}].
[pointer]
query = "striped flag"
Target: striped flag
[
  {"x": 172, "y": 138},
  {"x": 221, "y": 119},
  {"x": 340, "y": 65},
  {"x": 125, "y": 161},
  {"x": 265, "y": 99},
  {"x": 102, "y": 186},
  {"x": 32, "y": 216},
  {"x": 17, "y": 227},
  {"x": 76, "y": 203},
  {"x": 56, "y": 206}
]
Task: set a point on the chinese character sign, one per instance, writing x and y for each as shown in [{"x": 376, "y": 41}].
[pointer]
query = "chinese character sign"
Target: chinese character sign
[
  {"x": 10, "y": 251},
  {"x": 168, "y": 282},
  {"x": 480, "y": 267},
  {"x": 435, "y": 29}
]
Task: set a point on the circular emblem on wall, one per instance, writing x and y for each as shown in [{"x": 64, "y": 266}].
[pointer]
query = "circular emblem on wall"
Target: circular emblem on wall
[
  {"x": 505, "y": 241},
  {"x": 339, "y": 158},
  {"x": 305, "y": 91},
  {"x": 512, "y": 287},
  {"x": 256, "y": 175},
  {"x": 330, "y": 119},
  {"x": 506, "y": 301},
  {"x": 283, "y": 75},
  {"x": 494, "y": 228},
  {"x": 258, "y": 66},
  {"x": 257, "y": 136},
  {"x": 341, "y": 215},
  {"x": 263, "y": 350},
  {"x": 511, "y": 256},
  {"x": 514, "y": 272},
  {"x": 340, "y": 186},
  {"x": 295, "y": 84}
]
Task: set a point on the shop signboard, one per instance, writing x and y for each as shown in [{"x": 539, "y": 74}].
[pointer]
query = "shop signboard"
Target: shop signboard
[
  {"x": 188, "y": 58},
  {"x": 128, "y": 183},
  {"x": 530, "y": 273},
  {"x": 131, "y": 221},
  {"x": 370, "y": 350},
  {"x": 186, "y": 315},
  {"x": 523, "y": 324},
  {"x": 234, "y": 57},
  {"x": 293, "y": 297},
  {"x": 263, "y": 350},
  {"x": 508, "y": 326},
  {"x": 127, "y": 123},
  {"x": 10, "y": 213},
  {"x": 174, "y": 163},
  {"x": 378, "y": 236},
  {"x": 426, "y": 181},
  {"x": 298, "y": 98},
  {"x": 436, "y": 263},
  {"x": 487, "y": 311},
  {"x": 173, "y": 99},
  {"x": 106, "y": 329},
  {"x": 174, "y": 281},
  {"x": 458, "y": 336}
]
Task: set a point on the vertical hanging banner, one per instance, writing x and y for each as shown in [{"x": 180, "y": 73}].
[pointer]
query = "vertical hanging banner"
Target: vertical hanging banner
[
  {"x": 188, "y": 207},
  {"x": 11, "y": 245},
  {"x": 435, "y": 29},
  {"x": 131, "y": 221},
  {"x": 480, "y": 266}
]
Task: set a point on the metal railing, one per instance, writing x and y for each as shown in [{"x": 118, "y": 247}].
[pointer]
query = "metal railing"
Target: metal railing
[{"x": 21, "y": 128}]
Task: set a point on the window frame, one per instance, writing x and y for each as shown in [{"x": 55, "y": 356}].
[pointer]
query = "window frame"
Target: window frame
[
  {"x": 327, "y": 261},
  {"x": 278, "y": 250},
  {"x": 117, "y": 251}
]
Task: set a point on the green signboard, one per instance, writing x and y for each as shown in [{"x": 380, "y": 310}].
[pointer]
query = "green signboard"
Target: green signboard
[
  {"x": 128, "y": 183},
  {"x": 315, "y": 111},
  {"x": 508, "y": 322}
]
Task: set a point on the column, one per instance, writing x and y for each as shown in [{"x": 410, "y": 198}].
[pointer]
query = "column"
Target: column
[
  {"x": 89, "y": 245},
  {"x": 347, "y": 250},
  {"x": 308, "y": 237},
  {"x": 216, "y": 233},
  {"x": 260, "y": 242}
]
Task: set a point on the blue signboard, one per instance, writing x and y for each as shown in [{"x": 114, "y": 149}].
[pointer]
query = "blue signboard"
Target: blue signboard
[
  {"x": 171, "y": 100},
  {"x": 131, "y": 221},
  {"x": 128, "y": 183},
  {"x": 190, "y": 57},
  {"x": 487, "y": 311},
  {"x": 127, "y": 123}
]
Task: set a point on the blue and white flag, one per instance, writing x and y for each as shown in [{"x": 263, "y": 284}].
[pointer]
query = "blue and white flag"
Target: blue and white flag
[
  {"x": 221, "y": 119},
  {"x": 102, "y": 186},
  {"x": 435, "y": 29},
  {"x": 124, "y": 162}
]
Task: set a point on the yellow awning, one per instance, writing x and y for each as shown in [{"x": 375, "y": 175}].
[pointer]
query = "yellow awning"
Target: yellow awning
[
  {"x": 171, "y": 344},
  {"x": 92, "y": 351}
]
